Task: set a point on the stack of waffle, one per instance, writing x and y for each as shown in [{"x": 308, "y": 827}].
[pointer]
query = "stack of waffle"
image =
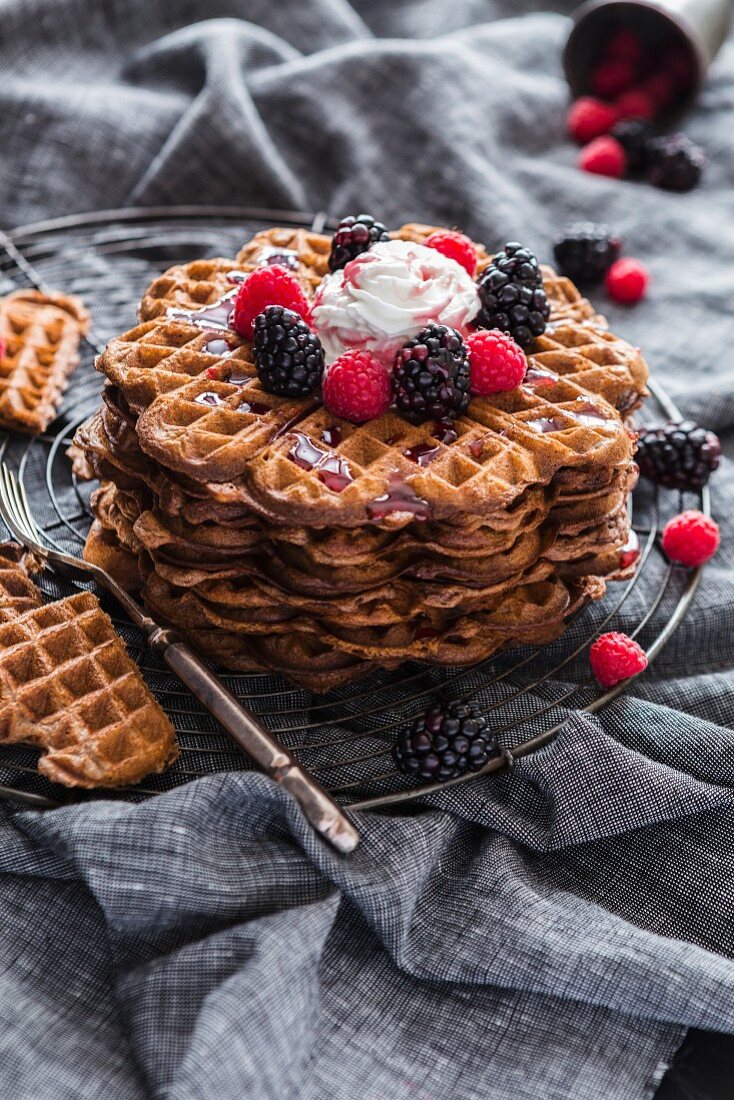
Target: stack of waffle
[{"x": 277, "y": 536}]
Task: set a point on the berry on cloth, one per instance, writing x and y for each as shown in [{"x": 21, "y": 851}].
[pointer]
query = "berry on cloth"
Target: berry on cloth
[
  {"x": 497, "y": 362},
  {"x": 449, "y": 740},
  {"x": 674, "y": 162},
  {"x": 634, "y": 135},
  {"x": 354, "y": 235},
  {"x": 691, "y": 538},
  {"x": 357, "y": 387},
  {"x": 589, "y": 118},
  {"x": 585, "y": 252},
  {"x": 431, "y": 375},
  {"x": 512, "y": 295},
  {"x": 678, "y": 456},
  {"x": 627, "y": 280},
  {"x": 615, "y": 657},
  {"x": 611, "y": 78},
  {"x": 636, "y": 103},
  {"x": 604, "y": 157},
  {"x": 288, "y": 356},
  {"x": 272, "y": 285},
  {"x": 456, "y": 246}
]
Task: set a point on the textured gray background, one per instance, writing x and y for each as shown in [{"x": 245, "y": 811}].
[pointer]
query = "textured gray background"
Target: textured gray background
[{"x": 550, "y": 934}]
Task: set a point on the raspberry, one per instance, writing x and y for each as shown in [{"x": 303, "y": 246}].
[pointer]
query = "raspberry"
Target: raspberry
[
  {"x": 635, "y": 103},
  {"x": 457, "y": 247},
  {"x": 615, "y": 657},
  {"x": 497, "y": 362},
  {"x": 288, "y": 357},
  {"x": 627, "y": 280},
  {"x": 604, "y": 156},
  {"x": 691, "y": 538},
  {"x": 449, "y": 740},
  {"x": 626, "y": 45},
  {"x": 267, "y": 286},
  {"x": 589, "y": 118},
  {"x": 612, "y": 77},
  {"x": 357, "y": 387}
]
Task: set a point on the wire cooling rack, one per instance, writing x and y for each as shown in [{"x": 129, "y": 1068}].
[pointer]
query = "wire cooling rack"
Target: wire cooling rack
[{"x": 344, "y": 738}]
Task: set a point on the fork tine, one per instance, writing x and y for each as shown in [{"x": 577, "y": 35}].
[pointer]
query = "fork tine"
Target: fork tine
[
  {"x": 28, "y": 514},
  {"x": 12, "y": 488},
  {"x": 11, "y": 508},
  {"x": 8, "y": 511}
]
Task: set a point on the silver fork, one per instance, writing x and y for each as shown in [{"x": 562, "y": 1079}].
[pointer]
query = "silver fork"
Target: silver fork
[{"x": 242, "y": 726}]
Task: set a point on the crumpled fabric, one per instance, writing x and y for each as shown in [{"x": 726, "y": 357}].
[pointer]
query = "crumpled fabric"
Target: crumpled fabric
[{"x": 551, "y": 932}]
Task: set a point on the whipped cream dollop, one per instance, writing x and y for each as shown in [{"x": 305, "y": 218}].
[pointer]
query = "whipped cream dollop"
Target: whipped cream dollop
[{"x": 387, "y": 295}]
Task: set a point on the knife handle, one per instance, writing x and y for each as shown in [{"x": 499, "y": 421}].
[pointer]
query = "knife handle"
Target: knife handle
[{"x": 243, "y": 727}]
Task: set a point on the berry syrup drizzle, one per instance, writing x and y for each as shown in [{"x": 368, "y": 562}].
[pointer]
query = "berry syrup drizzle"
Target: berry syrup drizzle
[
  {"x": 423, "y": 453},
  {"x": 547, "y": 424},
  {"x": 399, "y": 498},
  {"x": 535, "y": 377},
  {"x": 209, "y": 398},
  {"x": 330, "y": 468},
  {"x": 424, "y": 632},
  {"x": 219, "y": 347},
  {"x": 270, "y": 254},
  {"x": 588, "y": 413},
  {"x": 213, "y": 318},
  {"x": 444, "y": 431},
  {"x": 254, "y": 407},
  {"x": 630, "y": 552}
]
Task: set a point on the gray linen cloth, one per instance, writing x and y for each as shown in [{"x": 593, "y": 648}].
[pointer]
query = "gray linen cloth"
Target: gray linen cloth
[{"x": 552, "y": 933}]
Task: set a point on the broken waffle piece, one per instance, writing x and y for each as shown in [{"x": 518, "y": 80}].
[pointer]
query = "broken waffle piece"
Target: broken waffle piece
[
  {"x": 69, "y": 688},
  {"x": 18, "y": 593},
  {"x": 40, "y": 335}
]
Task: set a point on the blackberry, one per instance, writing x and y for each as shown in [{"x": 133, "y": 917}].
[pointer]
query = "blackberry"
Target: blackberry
[
  {"x": 353, "y": 236},
  {"x": 514, "y": 307},
  {"x": 678, "y": 456},
  {"x": 431, "y": 375},
  {"x": 449, "y": 740},
  {"x": 519, "y": 264},
  {"x": 675, "y": 163},
  {"x": 634, "y": 135},
  {"x": 585, "y": 252},
  {"x": 288, "y": 357}
]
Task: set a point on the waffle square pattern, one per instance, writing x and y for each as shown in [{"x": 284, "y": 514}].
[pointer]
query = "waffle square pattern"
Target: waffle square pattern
[
  {"x": 69, "y": 688},
  {"x": 40, "y": 334}
]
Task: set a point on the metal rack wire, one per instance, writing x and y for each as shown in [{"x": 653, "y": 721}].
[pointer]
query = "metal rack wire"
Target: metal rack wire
[{"x": 344, "y": 738}]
